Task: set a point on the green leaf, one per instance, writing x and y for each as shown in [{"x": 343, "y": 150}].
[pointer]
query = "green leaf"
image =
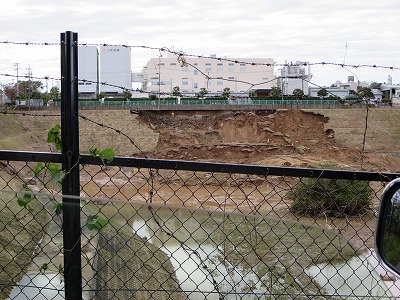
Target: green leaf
[
  {"x": 107, "y": 155},
  {"x": 24, "y": 200},
  {"x": 53, "y": 136},
  {"x": 43, "y": 268},
  {"x": 54, "y": 168},
  {"x": 58, "y": 176},
  {"x": 96, "y": 222},
  {"x": 61, "y": 269},
  {"x": 57, "y": 208},
  {"x": 58, "y": 144},
  {"x": 93, "y": 151},
  {"x": 53, "y": 133},
  {"x": 38, "y": 168}
]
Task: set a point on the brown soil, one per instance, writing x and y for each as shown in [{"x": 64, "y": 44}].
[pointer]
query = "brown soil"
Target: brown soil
[
  {"x": 298, "y": 138},
  {"x": 276, "y": 138}
]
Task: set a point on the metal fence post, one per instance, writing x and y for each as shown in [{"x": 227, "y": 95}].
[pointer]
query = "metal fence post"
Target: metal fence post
[{"x": 70, "y": 164}]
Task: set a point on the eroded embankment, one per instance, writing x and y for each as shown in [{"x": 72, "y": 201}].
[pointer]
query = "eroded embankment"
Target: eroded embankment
[{"x": 240, "y": 137}]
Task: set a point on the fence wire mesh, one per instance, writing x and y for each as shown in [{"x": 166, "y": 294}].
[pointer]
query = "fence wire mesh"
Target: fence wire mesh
[{"x": 150, "y": 233}]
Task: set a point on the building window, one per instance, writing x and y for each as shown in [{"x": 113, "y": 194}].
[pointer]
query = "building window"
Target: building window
[
  {"x": 184, "y": 68},
  {"x": 231, "y": 67},
  {"x": 208, "y": 67},
  {"x": 195, "y": 85},
  {"x": 185, "y": 81},
  {"x": 154, "y": 80},
  {"x": 195, "y": 72},
  {"x": 220, "y": 67},
  {"x": 220, "y": 81},
  {"x": 242, "y": 67}
]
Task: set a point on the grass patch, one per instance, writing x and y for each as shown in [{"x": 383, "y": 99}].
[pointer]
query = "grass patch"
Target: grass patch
[
  {"x": 277, "y": 251},
  {"x": 20, "y": 232},
  {"x": 129, "y": 267}
]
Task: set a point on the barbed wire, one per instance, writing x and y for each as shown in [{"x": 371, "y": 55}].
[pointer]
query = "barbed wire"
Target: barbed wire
[
  {"x": 116, "y": 130},
  {"x": 29, "y": 77},
  {"x": 212, "y": 57},
  {"x": 25, "y": 114}
]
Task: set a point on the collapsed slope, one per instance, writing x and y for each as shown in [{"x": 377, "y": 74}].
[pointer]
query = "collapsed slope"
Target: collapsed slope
[{"x": 290, "y": 137}]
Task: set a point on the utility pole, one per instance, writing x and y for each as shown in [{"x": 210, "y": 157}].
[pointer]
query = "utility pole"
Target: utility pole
[
  {"x": 29, "y": 81},
  {"x": 16, "y": 67},
  {"x": 159, "y": 81}
]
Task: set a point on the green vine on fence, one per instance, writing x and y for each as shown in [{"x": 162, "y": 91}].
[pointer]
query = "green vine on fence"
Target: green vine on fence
[
  {"x": 54, "y": 136},
  {"x": 107, "y": 155},
  {"x": 53, "y": 172},
  {"x": 96, "y": 222},
  {"x": 24, "y": 199}
]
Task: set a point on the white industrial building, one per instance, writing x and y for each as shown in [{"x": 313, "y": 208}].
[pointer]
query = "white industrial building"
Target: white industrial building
[
  {"x": 351, "y": 85},
  {"x": 88, "y": 70},
  {"x": 115, "y": 69},
  {"x": 294, "y": 76},
  {"x": 161, "y": 75},
  {"x": 105, "y": 69},
  {"x": 342, "y": 93}
]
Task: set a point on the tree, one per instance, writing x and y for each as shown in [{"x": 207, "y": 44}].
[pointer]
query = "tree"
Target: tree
[
  {"x": 176, "y": 92},
  {"x": 203, "y": 92},
  {"x": 375, "y": 85},
  {"x": 252, "y": 94},
  {"x": 127, "y": 94},
  {"x": 101, "y": 95},
  {"x": 322, "y": 93},
  {"x": 10, "y": 92},
  {"x": 29, "y": 89},
  {"x": 24, "y": 90},
  {"x": 298, "y": 93},
  {"x": 54, "y": 93},
  {"x": 365, "y": 93},
  {"x": 226, "y": 93},
  {"x": 276, "y": 92}
]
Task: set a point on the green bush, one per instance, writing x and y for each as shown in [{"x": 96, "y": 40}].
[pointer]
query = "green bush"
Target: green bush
[
  {"x": 330, "y": 197},
  {"x": 391, "y": 247}
]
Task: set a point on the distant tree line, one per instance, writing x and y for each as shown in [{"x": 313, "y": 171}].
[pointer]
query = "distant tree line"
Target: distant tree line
[{"x": 30, "y": 90}]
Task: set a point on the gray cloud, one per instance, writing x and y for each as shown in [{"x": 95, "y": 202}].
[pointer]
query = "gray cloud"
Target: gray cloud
[{"x": 290, "y": 30}]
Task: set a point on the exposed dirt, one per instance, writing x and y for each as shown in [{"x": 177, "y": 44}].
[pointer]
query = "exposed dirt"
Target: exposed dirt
[
  {"x": 298, "y": 138},
  {"x": 281, "y": 138}
]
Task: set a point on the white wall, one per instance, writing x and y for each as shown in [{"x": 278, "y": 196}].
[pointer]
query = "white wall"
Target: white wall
[
  {"x": 342, "y": 93},
  {"x": 115, "y": 68},
  {"x": 224, "y": 73},
  {"x": 87, "y": 69}
]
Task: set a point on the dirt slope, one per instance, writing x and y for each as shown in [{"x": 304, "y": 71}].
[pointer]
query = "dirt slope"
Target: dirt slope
[{"x": 281, "y": 138}]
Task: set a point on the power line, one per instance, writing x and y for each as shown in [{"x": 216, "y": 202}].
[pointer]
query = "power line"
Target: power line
[{"x": 212, "y": 57}]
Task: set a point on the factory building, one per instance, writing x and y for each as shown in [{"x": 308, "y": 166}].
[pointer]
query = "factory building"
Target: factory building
[{"x": 104, "y": 69}]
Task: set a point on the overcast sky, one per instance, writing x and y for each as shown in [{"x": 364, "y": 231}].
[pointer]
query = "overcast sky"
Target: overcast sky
[{"x": 285, "y": 30}]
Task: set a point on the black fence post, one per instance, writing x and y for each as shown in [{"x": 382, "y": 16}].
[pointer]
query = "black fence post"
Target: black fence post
[{"x": 70, "y": 164}]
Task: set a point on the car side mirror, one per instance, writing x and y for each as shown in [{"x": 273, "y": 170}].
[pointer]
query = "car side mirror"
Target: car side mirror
[{"x": 387, "y": 238}]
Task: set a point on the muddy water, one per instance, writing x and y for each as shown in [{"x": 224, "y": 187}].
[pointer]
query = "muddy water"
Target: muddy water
[
  {"x": 49, "y": 284},
  {"x": 214, "y": 192},
  {"x": 354, "y": 279},
  {"x": 201, "y": 268}
]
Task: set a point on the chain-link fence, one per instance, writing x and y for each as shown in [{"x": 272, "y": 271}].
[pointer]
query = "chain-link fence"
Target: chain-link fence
[{"x": 156, "y": 229}]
